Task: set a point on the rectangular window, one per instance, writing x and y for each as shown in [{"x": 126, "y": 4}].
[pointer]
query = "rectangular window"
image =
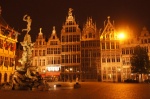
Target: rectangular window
[
  {"x": 108, "y": 60},
  {"x": 66, "y": 30},
  {"x": 78, "y": 58},
  {"x": 43, "y": 52},
  {"x": 35, "y": 62},
  {"x": 123, "y": 51},
  {"x": 113, "y": 59},
  {"x": 118, "y": 59},
  {"x": 48, "y": 50},
  {"x": 107, "y": 45},
  {"x": 117, "y": 45},
  {"x": 112, "y": 45},
  {"x": 127, "y": 51},
  {"x": 36, "y": 52},
  {"x": 40, "y": 52},
  {"x": 103, "y": 45}
]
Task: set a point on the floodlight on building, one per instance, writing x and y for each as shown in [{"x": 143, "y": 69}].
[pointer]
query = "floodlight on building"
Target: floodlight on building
[{"x": 121, "y": 35}]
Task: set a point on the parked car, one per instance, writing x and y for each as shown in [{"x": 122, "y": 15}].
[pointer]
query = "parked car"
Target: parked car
[
  {"x": 131, "y": 81},
  {"x": 147, "y": 81}
]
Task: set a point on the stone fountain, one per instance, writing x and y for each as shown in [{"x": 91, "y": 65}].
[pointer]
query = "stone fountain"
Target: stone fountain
[{"x": 26, "y": 76}]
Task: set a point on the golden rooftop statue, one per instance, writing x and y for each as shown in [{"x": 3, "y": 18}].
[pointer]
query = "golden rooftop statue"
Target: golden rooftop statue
[
  {"x": 28, "y": 20},
  {"x": 70, "y": 11}
]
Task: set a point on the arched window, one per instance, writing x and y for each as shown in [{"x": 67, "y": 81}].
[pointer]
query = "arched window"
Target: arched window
[
  {"x": 90, "y": 35},
  {"x": 5, "y": 77},
  {"x": 107, "y": 36}
]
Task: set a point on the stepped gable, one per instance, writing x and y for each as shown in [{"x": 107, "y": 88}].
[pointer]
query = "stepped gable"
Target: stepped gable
[
  {"x": 109, "y": 31},
  {"x": 53, "y": 37},
  {"x": 144, "y": 32},
  {"x": 89, "y": 30}
]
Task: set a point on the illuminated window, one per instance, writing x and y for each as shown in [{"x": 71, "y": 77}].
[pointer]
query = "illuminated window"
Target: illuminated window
[
  {"x": 1, "y": 43},
  {"x": 113, "y": 59},
  {"x": 108, "y": 60},
  {"x": 107, "y": 36},
  {"x": 123, "y": 51},
  {"x": 40, "y": 42},
  {"x": 40, "y": 52},
  {"x": 103, "y": 60},
  {"x": 127, "y": 51},
  {"x": 48, "y": 50},
  {"x": 90, "y": 35},
  {"x": 118, "y": 59},
  {"x": 36, "y": 52},
  {"x": 35, "y": 62},
  {"x": 53, "y": 43},
  {"x": 40, "y": 63},
  {"x": 78, "y": 58},
  {"x": 43, "y": 62},
  {"x": 112, "y": 45},
  {"x": 117, "y": 45},
  {"x": 43, "y": 52},
  {"x": 107, "y": 45},
  {"x": 103, "y": 45}
]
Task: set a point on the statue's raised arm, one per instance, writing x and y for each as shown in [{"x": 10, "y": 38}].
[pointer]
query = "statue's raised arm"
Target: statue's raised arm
[{"x": 28, "y": 20}]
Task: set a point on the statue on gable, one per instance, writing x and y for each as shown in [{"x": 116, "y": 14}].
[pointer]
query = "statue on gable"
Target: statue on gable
[
  {"x": 28, "y": 20},
  {"x": 70, "y": 11}
]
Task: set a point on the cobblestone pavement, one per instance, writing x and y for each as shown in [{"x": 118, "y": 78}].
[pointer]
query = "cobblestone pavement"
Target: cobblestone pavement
[{"x": 88, "y": 90}]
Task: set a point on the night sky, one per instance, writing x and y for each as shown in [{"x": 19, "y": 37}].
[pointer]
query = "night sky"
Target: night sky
[{"x": 48, "y": 13}]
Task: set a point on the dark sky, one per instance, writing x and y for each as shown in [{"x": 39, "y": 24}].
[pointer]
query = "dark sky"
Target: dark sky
[{"x": 49, "y": 13}]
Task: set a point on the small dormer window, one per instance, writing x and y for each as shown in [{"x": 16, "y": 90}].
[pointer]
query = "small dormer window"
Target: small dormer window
[
  {"x": 40, "y": 42},
  {"x": 112, "y": 36},
  {"x": 90, "y": 35},
  {"x": 107, "y": 36},
  {"x": 70, "y": 23},
  {"x": 145, "y": 34},
  {"x": 53, "y": 37},
  {"x": 85, "y": 36},
  {"x": 94, "y": 36},
  {"x": 145, "y": 41}
]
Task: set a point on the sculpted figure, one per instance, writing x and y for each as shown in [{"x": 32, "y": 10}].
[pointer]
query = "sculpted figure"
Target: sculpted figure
[
  {"x": 28, "y": 20},
  {"x": 70, "y": 11}
]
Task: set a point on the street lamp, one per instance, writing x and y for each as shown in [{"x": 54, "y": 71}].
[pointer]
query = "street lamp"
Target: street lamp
[{"x": 121, "y": 35}]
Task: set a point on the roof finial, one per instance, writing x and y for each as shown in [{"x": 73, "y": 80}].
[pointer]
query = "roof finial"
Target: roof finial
[
  {"x": 40, "y": 31},
  {"x": 108, "y": 18},
  {"x": 54, "y": 31}
]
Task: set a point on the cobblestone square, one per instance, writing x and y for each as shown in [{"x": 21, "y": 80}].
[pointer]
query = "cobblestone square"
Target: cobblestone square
[{"x": 88, "y": 90}]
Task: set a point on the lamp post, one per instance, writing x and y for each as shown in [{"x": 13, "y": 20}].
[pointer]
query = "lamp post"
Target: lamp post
[{"x": 119, "y": 74}]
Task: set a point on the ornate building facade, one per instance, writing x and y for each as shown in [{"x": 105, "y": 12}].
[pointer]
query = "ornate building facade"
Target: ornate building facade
[
  {"x": 46, "y": 55},
  {"x": 110, "y": 53},
  {"x": 88, "y": 54},
  {"x": 8, "y": 39},
  {"x": 90, "y": 51},
  {"x": 71, "y": 49}
]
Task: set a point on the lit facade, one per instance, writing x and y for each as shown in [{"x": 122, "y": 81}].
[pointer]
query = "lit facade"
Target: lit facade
[
  {"x": 90, "y": 52},
  {"x": 127, "y": 47},
  {"x": 110, "y": 53},
  {"x": 71, "y": 49},
  {"x": 8, "y": 39},
  {"x": 46, "y": 55}
]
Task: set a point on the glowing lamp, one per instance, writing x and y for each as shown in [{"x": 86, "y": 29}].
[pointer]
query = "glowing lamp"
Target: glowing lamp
[{"x": 121, "y": 35}]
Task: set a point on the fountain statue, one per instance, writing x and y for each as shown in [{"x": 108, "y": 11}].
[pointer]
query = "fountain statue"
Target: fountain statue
[{"x": 27, "y": 77}]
